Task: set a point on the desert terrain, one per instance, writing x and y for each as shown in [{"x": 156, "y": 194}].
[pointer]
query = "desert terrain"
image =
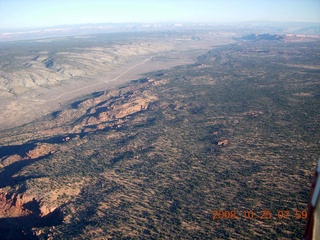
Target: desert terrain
[
  {"x": 154, "y": 147},
  {"x": 36, "y": 77}
]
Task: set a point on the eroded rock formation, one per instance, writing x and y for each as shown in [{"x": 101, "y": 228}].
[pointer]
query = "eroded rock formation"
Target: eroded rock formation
[{"x": 18, "y": 205}]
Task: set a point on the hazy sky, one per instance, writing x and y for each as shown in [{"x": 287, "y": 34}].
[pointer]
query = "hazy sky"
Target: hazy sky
[{"x": 36, "y": 13}]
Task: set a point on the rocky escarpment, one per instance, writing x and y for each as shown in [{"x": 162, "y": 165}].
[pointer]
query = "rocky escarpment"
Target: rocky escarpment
[
  {"x": 151, "y": 161},
  {"x": 15, "y": 205},
  {"x": 18, "y": 205},
  {"x": 29, "y": 152},
  {"x": 99, "y": 111},
  {"x": 19, "y": 213}
]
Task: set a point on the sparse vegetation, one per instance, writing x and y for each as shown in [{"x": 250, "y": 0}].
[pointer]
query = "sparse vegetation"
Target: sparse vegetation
[{"x": 239, "y": 130}]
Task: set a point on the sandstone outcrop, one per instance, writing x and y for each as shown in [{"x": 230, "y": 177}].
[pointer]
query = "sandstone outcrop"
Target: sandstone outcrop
[
  {"x": 223, "y": 143},
  {"x": 17, "y": 205},
  {"x": 12, "y": 206},
  {"x": 40, "y": 150}
]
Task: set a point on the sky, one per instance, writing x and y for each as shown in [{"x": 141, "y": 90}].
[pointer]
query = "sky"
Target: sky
[{"x": 43, "y": 13}]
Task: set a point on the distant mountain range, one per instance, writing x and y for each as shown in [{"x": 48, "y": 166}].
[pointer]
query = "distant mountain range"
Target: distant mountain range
[{"x": 84, "y": 29}]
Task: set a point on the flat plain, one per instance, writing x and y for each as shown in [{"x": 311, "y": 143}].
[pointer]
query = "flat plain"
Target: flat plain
[
  {"x": 153, "y": 158},
  {"x": 36, "y": 76}
]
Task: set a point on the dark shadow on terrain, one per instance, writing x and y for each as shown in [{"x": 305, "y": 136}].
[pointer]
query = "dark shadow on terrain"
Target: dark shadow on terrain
[
  {"x": 58, "y": 139},
  {"x": 55, "y": 114},
  {"x": 141, "y": 80},
  {"x": 85, "y": 217},
  {"x": 11, "y": 232},
  {"x": 21, "y": 150},
  {"x": 77, "y": 103},
  {"x": 100, "y": 104},
  {"x": 100, "y": 110},
  {"x": 33, "y": 206},
  {"x": 95, "y": 94},
  {"x": 128, "y": 154},
  {"x": 7, "y": 172},
  {"x": 49, "y": 63},
  {"x": 148, "y": 123},
  {"x": 21, "y": 227}
]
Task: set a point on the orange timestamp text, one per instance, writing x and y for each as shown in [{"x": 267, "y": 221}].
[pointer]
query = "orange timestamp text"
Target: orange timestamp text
[{"x": 262, "y": 214}]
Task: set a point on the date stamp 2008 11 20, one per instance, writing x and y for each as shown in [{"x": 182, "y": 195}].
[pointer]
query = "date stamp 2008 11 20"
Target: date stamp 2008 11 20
[{"x": 262, "y": 214}]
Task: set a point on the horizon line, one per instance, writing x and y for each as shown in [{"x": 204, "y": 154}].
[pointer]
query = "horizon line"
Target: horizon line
[{"x": 163, "y": 22}]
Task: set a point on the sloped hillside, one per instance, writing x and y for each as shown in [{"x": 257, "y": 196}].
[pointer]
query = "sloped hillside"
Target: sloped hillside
[{"x": 236, "y": 131}]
